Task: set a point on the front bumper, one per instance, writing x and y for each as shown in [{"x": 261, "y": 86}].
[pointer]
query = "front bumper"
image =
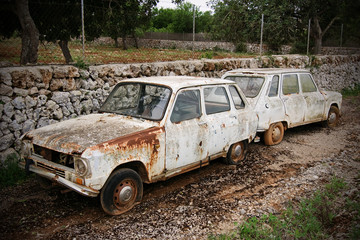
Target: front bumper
[{"x": 56, "y": 173}]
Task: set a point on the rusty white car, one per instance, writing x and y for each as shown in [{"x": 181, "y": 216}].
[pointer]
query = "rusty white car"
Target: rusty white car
[
  {"x": 285, "y": 98},
  {"x": 148, "y": 129}
]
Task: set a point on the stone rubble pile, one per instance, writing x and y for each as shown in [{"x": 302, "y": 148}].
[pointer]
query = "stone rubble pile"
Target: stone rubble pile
[{"x": 35, "y": 96}]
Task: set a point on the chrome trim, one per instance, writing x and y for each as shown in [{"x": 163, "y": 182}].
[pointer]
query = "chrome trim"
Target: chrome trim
[{"x": 38, "y": 168}]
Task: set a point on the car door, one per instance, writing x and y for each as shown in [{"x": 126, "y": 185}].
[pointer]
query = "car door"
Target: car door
[
  {"x": 315, "y": 102},
  {"x": 223, "y": 121},
  {"x": 186, "y": 131},
  {"x": 294, "y": 102},
  {"x": 274, "y": 107}
]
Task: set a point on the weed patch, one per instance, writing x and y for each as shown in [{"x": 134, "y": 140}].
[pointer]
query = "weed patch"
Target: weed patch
[
  {"x": 310, "y": 219},
  {"x": 11, "y": 173}
]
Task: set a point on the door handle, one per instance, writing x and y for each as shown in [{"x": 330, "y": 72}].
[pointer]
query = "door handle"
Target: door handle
[{"x": 202, "y": 124}]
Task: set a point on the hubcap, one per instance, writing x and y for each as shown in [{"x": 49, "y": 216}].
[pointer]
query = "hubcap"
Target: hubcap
[
  {"x": 276, "y": 134},
  {"x": 125, "y": 194},
  {"x": 237, "y": 151},
  {"x": 332, "y": 117}
]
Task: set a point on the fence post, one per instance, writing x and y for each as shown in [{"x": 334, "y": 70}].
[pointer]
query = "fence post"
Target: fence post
[
  {"x": 83, "y": 29},
  {"x": 341, "y": 34},
  {"x": 193, "y": 29},
  {"x": 261, "y": 35},
  {"x": 308, "y": 38}
]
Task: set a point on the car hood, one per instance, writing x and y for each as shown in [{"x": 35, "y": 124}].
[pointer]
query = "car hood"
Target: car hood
[{"x": 75, "y": 135}]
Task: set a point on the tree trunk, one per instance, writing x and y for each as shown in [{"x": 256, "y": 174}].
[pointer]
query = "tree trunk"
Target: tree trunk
[
  {"x": 124, "y": 43},
  {"x": 65, "y": 50},
  {"x": 29, "y": 33},
  {"x": 136, "y": 41},
  {"x": 116, "y": 42},
  {"x": 317, "y": 36}
]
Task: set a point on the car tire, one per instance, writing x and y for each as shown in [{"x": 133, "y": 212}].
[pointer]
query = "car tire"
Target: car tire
[
  {"x": 121, "y": 192},
  {"x": 333, "y": 117},
  {"x": 274, "y": 135},
  {"x": 237, "y": 153}
]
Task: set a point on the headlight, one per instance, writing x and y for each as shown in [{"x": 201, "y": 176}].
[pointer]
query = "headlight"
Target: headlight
[{"x": 81, "y": 166}]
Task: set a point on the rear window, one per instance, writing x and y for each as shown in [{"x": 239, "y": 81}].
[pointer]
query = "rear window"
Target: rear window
[
  {"x": 250, "y": 86},
  {"x": 307, "y": 84}
]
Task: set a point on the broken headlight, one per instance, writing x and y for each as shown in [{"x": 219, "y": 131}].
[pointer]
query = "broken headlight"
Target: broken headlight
[{"x": 81, "y": 166}]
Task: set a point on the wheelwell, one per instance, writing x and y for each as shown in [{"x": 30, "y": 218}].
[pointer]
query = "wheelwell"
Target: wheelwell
[
  {"x": 335, "y": 105},
  {"x": 138, "y": 167},
  {"x": 285, "y": 125}
]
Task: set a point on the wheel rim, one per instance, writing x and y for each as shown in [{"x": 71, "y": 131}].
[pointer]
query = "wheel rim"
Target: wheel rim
[
  {"x": 237, "y": 152},
  {"x": 332, "y": 118},
  {"x": 276, "y": 134},
  {"x": 125, "y": 194}
]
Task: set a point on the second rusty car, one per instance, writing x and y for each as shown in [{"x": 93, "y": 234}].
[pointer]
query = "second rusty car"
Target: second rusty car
[
  {"x": 285, "y": 98},
  {"x": 147, "y": 130}
]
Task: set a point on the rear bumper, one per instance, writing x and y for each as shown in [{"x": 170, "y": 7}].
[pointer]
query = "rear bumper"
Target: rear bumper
[{"x": 29, "y": 165}]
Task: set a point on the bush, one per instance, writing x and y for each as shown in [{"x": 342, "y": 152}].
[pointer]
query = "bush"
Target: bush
[
  {"x": 241, "y": 47},
  {"x": 11, "y": 173},
  {"x": 351, "y": 91}
]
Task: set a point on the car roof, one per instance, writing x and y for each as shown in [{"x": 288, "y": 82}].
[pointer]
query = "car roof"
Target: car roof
[
  {"x": 178, "y": 82},
  {"x": 266, "y": 71}
]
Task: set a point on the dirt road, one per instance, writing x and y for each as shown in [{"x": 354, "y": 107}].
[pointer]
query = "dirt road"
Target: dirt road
[{"x": 204, "y": 201}]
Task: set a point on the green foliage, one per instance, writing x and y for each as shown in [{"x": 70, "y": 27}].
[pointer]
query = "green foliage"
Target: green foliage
[
  {"x": 351, "y": 91},
  {"x": 207, "y": 54},
  {"x": 240, "y": 21},
  {"x": 80, "y": 63},
  {"x": 354, "y": 206},
  {"x": 308, "y": 220},
  {"x": 180, "y": 20},
  {"x": 10, "y": 173},
  {"x": 241, "y": 47}
]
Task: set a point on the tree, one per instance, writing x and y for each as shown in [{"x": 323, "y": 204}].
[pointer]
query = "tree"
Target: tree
[
  {"x": 240, "y": 21},
  {"x": 125, "y": 16},
  {"x": 60, "y": 21},
  {"x": 24, "y": 23},
  {"x": 180, "y": 19},
  {"x": 323, "y": 14}
]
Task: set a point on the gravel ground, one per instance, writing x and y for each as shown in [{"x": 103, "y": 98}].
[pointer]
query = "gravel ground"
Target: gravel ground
[{"x": 205, "y": 201}]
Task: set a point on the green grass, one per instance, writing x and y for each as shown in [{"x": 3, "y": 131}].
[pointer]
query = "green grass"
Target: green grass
[
  {"x": 351, "y": 92},
  {"x": 10, "y": 173},
  {"x": 310, "y": 219}
]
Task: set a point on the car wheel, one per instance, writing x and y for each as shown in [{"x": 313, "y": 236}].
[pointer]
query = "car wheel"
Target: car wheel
[
  {"x": 122, "y": 191},
  {"x": 274, "y": 134},
  {"x": 237, "y": 153},
  {"x": 333, "y": 117}
]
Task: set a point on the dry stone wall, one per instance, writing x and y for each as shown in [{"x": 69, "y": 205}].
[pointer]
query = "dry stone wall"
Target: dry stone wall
[{"x": 35, "y": 96}]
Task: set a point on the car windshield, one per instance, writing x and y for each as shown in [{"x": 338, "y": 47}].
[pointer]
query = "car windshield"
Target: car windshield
[
  {"x": 138, "y": 100},
  {"x": 250, "y": 85}
]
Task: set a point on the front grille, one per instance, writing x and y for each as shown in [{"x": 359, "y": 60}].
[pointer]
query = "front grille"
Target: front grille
[
  {"x": 58, "y": 172},
  {"x": 54, "y": 156}
]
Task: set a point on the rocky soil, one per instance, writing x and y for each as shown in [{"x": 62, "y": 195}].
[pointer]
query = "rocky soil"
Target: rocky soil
[{"x": 205, "y": 201}]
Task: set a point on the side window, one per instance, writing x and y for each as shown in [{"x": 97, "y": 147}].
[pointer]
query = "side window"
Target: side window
[
  {"x": 187, "y": 106},
  {"x": 307, "y": 84},
  {"x": 274, "y": 87},
  {"x": 290, "y": 84},
  {"x": 216, "y": 100},
  {"x": 238, "y": 102}
]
